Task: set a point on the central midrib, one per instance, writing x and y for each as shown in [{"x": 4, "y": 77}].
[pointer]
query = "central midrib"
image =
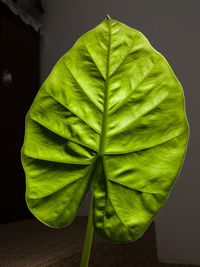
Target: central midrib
[{"x": 104, "y": 119}]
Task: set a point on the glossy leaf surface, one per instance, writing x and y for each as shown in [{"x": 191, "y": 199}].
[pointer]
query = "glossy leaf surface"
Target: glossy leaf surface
[{"x": 110, "y": 117}]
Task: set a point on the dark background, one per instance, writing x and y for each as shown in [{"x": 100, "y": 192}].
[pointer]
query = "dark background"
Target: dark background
[
  {"x": 173, "y": 28},
  {"x": 19, "y": 82}
]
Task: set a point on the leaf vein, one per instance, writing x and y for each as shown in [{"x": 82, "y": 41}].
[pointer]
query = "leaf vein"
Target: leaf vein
[
  {"x": 122, "y": 61},
  {"x": 89, "y": 125},
  {"x": 119, "y": 217},
  {"x": 93, "y": 60},
  {"x": 83, "y": 91},
  {"x": 132, "y": 91},
  {"x": 128, "y": 187},
  {"x": 139, "y": 117},
  {"x": 143, "y": 149},
  {"x": 56, "y": 161},
  {"x": 67, "y": 138}
]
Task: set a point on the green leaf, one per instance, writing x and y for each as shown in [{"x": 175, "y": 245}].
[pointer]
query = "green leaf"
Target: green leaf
[{"x": 110, "y": 117}]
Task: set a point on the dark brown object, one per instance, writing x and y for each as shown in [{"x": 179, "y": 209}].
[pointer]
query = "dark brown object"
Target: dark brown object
[
  {"x": 19, "y": 83},
  {"x": 30, "y": 243}
]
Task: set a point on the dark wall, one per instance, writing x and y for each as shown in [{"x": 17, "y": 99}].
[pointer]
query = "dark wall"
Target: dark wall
[{"x": 19, "y": 82}]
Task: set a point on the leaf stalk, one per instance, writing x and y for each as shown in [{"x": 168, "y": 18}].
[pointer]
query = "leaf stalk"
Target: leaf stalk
[{"x": 88, "y": 238}]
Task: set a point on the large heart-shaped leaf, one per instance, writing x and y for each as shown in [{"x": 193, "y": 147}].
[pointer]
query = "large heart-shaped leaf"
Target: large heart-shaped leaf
[{"x": 110, "y": 117}]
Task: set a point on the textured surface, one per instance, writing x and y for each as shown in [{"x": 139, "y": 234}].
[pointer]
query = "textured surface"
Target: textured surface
[
  {"x": 110, "y": 117},
  {"x": 29, "y": 243}
]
